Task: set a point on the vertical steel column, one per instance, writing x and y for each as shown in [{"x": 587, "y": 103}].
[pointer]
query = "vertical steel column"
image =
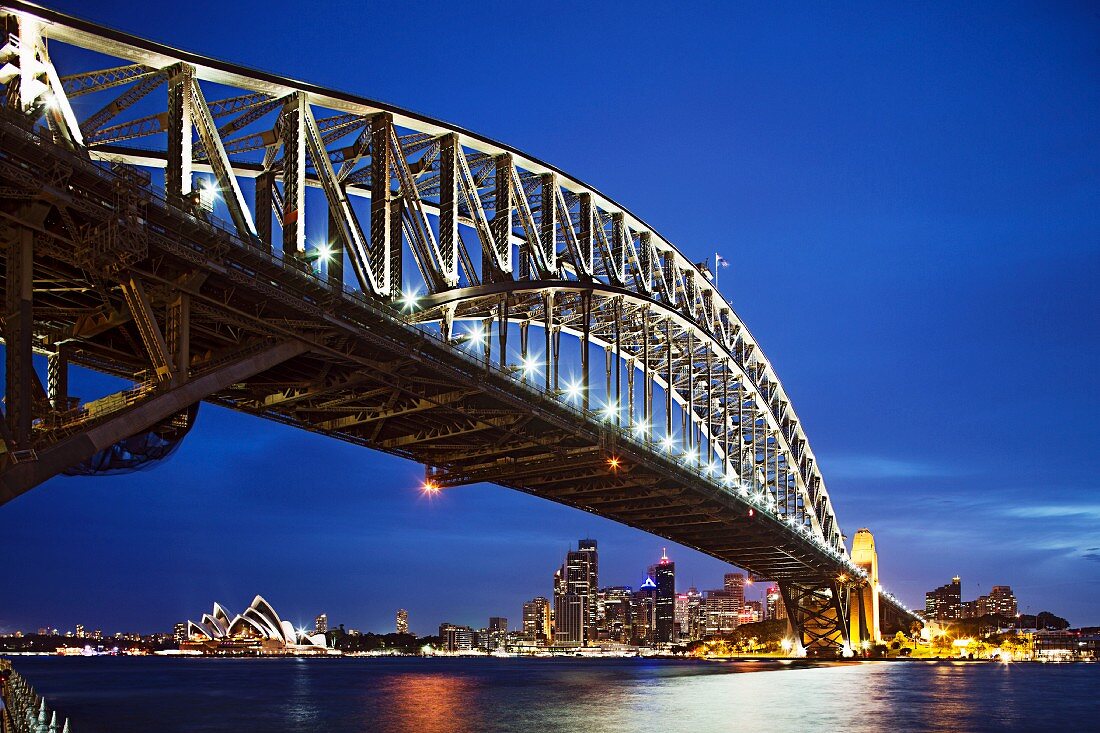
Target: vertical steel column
[
  {"x": 726, "y": 427},
  {"x": 689, "y": 411},
  {"x": 618, "y": 314},
  {"x": 395, "y": 250},
  {"x": 502, "y": 333},
  {"x": 557, "y": 353},
  {"x": 547, "y": 327},
  {"x": 292, "y": 130},
  {"x": 18, "y": 335},
  {"x": 178, "y": 341},
  {"x": 548, "y": 221},
  {"x": 264, "y": 183},
  {"x": 586, "y": 331},
  {"x": 177, "y": 175},
  {"x": 668, "y": 377},
  {"x": 448, "y": 195},
  {"x": 630, "y": 391},
  {"x": 337, "y": 245},
  {"x": 647, "y": 387},
  {"x": 710, "y": 406},
  {"x": 607, "y": 378},
  {"x": 502, "y": 212},
  {"x": 523, "y": 350},
  {"x": 381, "y": 216},
  {"x": 585, "y": 239},
  {"x": 57, "y": 378}
]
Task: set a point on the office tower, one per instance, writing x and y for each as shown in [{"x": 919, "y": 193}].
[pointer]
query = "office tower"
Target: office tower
[
  {"x": 575, "y": 590},
  {"x": 664, "y": 577},
  {"x": 617, "y": 621},
  {"x": 536, "y": 621},
  {"x": 645, "y": 606},
  {"x": 179, "y": 633},
  {"x": 320, "y": 624},
  {"x": 945, "y": 603},
  {"x": 402, "y": 621}
]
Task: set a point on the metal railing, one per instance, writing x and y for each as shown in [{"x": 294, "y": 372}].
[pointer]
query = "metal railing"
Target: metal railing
[{"x": 24, "y": 710}]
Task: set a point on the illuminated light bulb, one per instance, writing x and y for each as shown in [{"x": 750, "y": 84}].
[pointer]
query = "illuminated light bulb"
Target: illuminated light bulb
[
  {"x": 430, "y": 487},
  {"x": 610, "y": 411},
  {"x": 668, "y": 443},
  {"x": 531, "y": 366},
  {"x": 641, "y": 429},
  {"x": 477, "y": 336},
  {"x": 613, "y": 463}
]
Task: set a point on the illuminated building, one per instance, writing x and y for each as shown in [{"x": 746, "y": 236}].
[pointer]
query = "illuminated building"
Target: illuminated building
[
  {"x": 79, "y": 631},
  {"x": 664, "y": 602},
  {"x": 496, "y": 632},
  {"x": 645, "y": 621},
  {"x": 722, "y": 608},
  {"x": 456, "y": 638},
  {"x": 1000, "y": 602},
  {"x": 735, "y": 583},
  {"x": 179, "y": 633},
  {"x": 575, "y": 591},
  {"x": 751, "y": 612},
  {"x": 402, "y": 621},
  {"x": 258, "y": 630},
  {"x": 776, "y": 611},
  {"x": 536, "y": 621},
  {"x": 617, "y": 614},
  {"x": 320, "y": 624},
  {"x": 944, "y": 603}
]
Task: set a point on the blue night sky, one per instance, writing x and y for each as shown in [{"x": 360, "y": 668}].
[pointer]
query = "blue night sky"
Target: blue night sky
[{"x": 909, "y": 196}]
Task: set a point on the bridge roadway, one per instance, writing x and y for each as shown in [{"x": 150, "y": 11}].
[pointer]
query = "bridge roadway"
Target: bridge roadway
[{"x": 103, "y": 271}]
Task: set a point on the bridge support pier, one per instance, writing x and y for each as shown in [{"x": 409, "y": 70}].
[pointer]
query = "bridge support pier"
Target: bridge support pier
[{"x": 818, "y": 615}]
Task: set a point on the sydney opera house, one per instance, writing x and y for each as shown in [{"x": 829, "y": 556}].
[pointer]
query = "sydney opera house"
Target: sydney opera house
[{"x": 258, "y": 630}]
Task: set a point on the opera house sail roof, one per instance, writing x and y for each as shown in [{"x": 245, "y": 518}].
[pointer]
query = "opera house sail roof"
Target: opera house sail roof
[{"x": 258, "y": 627}]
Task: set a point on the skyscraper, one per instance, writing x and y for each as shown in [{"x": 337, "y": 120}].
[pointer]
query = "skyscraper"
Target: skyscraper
[
  {"x": 575, "y": 588},
  {"x": 644, "y": 612},
  {"x": 497, "y": 632},
  {"x": 402, "y": 621},
  {"x": 945, "y": 603},
  {"x": 320, "y": 624},
  {"x": 617, "y": 622},
  {"x": 776, "y": 611},
  {"x": 664, "y": 576},
  {"x": 536, "y": 621}
]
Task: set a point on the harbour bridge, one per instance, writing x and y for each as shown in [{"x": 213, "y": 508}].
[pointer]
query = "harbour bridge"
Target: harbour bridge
[{"x": 212, "y": 233}]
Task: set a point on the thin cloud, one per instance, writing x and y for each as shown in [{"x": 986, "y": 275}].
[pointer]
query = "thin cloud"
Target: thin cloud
[{"x": 882, "y": 467}]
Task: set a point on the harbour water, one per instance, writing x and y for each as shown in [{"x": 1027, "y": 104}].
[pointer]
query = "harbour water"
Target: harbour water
[{"x": 482, "y": 695}]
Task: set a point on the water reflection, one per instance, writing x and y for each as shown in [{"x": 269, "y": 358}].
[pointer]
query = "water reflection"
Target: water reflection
[{"x": 133, "y": 695}]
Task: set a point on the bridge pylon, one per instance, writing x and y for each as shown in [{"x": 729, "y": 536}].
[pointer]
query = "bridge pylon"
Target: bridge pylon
[{"x": 819, "y": 616}]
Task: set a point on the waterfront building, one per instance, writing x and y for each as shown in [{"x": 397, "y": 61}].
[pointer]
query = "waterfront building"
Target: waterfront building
[
  {"x": 79, "y": 631},
  {"x": 945, "y": 603},
  {"x": 588, "y": 546},
  {"x": 320, "y": 624},
  {"x": 1000, "y": 601},
  {"x": 751, "y": 612},
  {"x": 664, "y": 605},
  {"x": 258, "y": 630},
  {"x": 496, "y": 632},
  {"x": 536, "y": 621},
  {"x": 457, "y": 638},
  {"x": 734, "y": 583},
  {"x": 570, "y": 619},
  {"x": 402, "y": 621},
  {"x": 179, "y": 633}
]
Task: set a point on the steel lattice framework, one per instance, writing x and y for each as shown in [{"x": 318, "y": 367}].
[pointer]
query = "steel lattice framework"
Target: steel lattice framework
[{"x": 116, "y": 173}]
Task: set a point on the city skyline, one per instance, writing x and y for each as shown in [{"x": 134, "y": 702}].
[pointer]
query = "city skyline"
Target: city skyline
[{"x": 896, "y": 325}]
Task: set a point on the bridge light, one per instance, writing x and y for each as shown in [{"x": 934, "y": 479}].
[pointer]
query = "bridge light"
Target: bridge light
[
  {"x": 531, "y": 365},
  {"x": 610, "y": 411},
  {"x": 325, "y": 252},
  {"x": 408, "y": 299},
  {"x": 208, "y": 193},
  {"x": 641, "y": 429},
  {"x": 668, "y": 442},
  {"x": 430, "y": 487},
  {"x": 477, "y": 336},
  {"x": 613, "y": 463},
  {"x": 573, "y": 390},
  {"x": 787, "y": 644}
]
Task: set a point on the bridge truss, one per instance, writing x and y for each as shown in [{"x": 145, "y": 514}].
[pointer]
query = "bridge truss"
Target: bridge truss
[{"x": 221, "y": 234}]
